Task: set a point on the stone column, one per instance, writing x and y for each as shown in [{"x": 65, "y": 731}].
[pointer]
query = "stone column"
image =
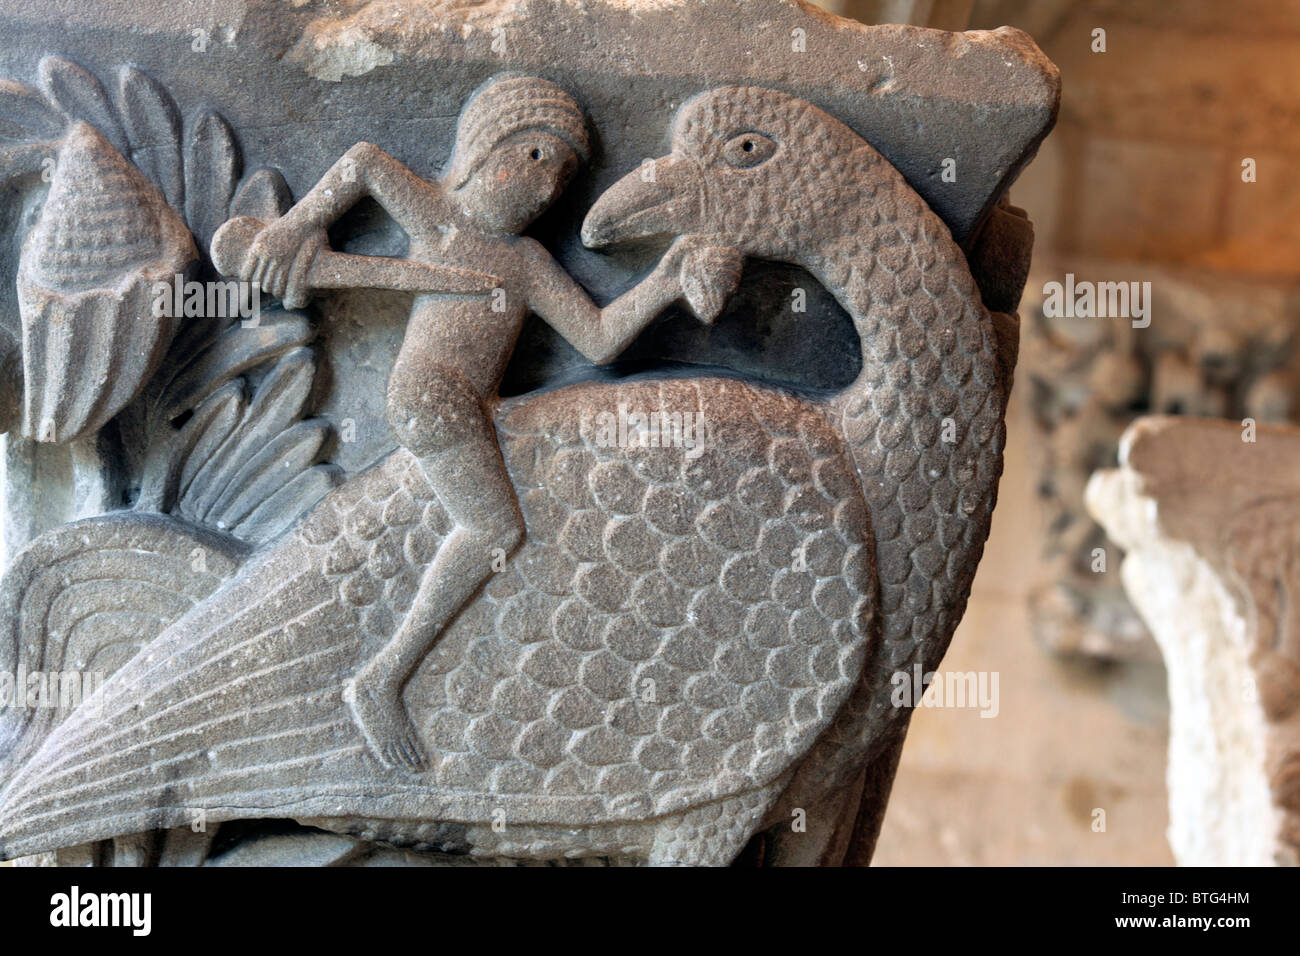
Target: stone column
[{"x": 1209, "y": 515}]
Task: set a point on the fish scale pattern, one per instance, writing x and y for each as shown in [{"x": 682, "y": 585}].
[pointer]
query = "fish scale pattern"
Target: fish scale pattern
[{"x": 681, "y": 622}]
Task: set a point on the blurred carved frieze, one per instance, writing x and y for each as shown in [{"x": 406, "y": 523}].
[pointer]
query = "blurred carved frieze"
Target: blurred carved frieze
[
  {"x": 1208, "y": 513},
  {"x": 1211, "y": 345}
]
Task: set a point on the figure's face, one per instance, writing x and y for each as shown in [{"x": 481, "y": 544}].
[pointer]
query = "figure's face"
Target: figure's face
[{"x": 519, "y": 179}]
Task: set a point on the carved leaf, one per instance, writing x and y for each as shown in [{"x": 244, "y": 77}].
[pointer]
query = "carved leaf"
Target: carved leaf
[
  {"x": 292, "y": 451},
  {"x": 26, "y": 116},
  {"x": 203, "y": 379},
  {"x": 153, "y": 126},
  {"x": 264, "y": 195},
  {"x": 278, "y": 511},
  {"x": 80, "y": 96},
  {"x": 211, "y": 425},
  {"x": 279, "y": 402},
  {"x": 211, "y": 172},
  {"x": 206, "y": 356},
  {"x": 250, "y": 467}
]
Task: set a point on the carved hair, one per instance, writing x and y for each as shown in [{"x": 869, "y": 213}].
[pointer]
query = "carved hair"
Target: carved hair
[{"x": 511, "y": 104}]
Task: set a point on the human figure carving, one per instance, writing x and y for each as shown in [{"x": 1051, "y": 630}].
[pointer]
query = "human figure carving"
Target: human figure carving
[{"x": 518, "y": 143}]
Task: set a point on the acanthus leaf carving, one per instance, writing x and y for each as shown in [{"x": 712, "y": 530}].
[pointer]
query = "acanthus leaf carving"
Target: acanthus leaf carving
[{"x": 153, "y": 127}]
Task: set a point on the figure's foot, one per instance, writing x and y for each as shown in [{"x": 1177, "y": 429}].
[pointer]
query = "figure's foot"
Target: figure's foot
[{"x": 378, "y": 710}]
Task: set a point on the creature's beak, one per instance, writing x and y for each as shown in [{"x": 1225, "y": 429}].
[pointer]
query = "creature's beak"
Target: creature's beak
[{"x": 664, "y": 197}]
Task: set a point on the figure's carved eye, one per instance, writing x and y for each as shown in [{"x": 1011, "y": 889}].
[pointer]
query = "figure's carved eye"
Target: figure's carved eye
[
  {"x": 536, "y": 154},
  {"x": 748, "y": 150}
]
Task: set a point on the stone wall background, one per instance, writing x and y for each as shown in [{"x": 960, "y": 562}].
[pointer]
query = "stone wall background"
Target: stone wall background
[{"x": 1140, "y": 181}]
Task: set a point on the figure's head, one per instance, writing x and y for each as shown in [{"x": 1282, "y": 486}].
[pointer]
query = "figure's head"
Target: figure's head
[{"x": 519, "y": 141}]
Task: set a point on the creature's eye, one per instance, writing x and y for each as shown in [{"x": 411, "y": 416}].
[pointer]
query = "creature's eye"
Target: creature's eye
[
  {"x": 536, "y": 154},
  {"x": 748, "y": 150}
]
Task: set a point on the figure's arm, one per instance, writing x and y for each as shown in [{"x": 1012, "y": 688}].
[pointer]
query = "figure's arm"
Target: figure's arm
[
  {"x": 364, "y": 170},
  {"x": 601, "y": 334}
]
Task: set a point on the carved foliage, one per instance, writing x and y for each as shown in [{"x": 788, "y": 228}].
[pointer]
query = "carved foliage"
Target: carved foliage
[
  {"x": 228, "y": 453},
  {"x": 109, "y": 229}
]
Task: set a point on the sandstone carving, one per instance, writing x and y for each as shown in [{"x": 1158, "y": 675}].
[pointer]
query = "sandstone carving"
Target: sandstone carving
[
  {"x": 1208, "y": 523},
  {"x": 637, "y": 618}
]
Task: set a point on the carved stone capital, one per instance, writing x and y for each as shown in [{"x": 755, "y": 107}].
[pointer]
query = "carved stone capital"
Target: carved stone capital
[{"x": 620, "y": 411}]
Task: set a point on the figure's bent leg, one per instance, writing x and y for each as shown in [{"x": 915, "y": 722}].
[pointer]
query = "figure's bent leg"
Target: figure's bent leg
[{"x": 454, "y": 439}]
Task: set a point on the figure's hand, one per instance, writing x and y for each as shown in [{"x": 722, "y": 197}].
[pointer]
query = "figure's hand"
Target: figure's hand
[
  {"x": 279, "y": 258},
  {"x": 709, "y": 273}
]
